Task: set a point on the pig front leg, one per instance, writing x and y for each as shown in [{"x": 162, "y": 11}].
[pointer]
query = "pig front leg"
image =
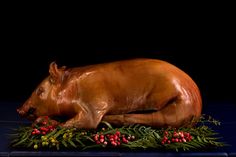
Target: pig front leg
[
  {"x": 87, "y": 118},
  {"x": 80, "y": 120}
]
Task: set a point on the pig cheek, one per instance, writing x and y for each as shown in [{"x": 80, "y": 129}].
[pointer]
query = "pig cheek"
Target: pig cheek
[
  {"x": 38, "y": 113},
  {"x": 41, "y": 111}
]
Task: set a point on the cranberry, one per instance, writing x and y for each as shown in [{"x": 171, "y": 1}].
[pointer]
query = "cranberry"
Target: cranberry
[
  {"x": 102, "y": 140},
  {"x": 166, "y": 133},
  {"x": 101, "y": 136},
  {"x": 114, "y": 143},
  {"x": 173, "y": 140},
  {"x": 118, "y": 133}
]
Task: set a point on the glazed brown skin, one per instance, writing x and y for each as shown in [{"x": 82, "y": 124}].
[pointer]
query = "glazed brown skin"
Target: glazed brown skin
[{"x": 119, "y": 92}]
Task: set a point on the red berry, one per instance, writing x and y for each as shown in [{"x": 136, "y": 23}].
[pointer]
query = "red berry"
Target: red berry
[
  {"x": 117, "y": 133},
  {"x": 102, "y": 140},
  {"x": 176, "y": 140},
  {"x": 165, "y": 138},
  {"x": 175, "y": 134},
  {"x": 101, "y": 136},
  {"x": 44, "y": 122},
  {"x": 118, "y": 143},
  {"x": 173, "y": 140},
  {"x": 114, "y": 143},
  {"x": 96, "y": 137},
  {"x": 166, "y": 133},
  {"x": 98, "y": 142},
  {"x": 37, "y": 132},
  {"x": 184, "y": 140},
  {"x": 115, "y": 137},
  {"x": 180, "y": 140},
  {"x": 162, "y": 142},
  {"x": 105, "y": 143},
  {"x": 124, "y": 140},
  {"x": 33, "y": 133},
  {"x": 111, "y": 139},
  {"x": 186, "y": 134},
  {"x": 44, "y": 133},
  {"x": 50, "y": 127}
]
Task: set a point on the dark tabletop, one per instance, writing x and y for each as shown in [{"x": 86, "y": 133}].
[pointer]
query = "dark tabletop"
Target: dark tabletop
[{"x": 223, "y": 111}]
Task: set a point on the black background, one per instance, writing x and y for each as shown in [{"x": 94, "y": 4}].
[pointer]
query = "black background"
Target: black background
[{"x": 203, "y": 45}]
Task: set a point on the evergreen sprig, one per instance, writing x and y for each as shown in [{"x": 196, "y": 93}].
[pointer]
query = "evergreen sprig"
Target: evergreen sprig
[{"x": 133, "y": 137}]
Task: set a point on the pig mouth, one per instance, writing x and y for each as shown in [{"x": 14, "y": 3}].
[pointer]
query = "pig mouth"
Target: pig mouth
[{"x": 30, "y": 113}]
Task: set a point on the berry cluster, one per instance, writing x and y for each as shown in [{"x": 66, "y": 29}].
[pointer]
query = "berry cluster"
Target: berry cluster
[
  {"x": 176, "y": 137},
  {"x": 115, "y": 139},
  {"x": 43, "y": 127}
]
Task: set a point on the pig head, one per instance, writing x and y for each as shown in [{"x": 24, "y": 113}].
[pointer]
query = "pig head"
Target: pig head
[{"x": 43, "y": 101}]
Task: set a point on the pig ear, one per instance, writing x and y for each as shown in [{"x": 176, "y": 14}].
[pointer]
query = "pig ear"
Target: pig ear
[{"x": 56, "y": 75}]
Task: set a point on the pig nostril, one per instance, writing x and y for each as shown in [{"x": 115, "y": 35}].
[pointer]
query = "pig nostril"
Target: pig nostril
[{"x": 21, "y": 113}]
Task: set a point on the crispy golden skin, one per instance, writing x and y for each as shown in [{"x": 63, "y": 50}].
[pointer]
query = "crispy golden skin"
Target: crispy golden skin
[{"x": 145, "y": 91}]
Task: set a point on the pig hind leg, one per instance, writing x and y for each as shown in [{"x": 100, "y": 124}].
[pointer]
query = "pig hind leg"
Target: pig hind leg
[{"x": 173, "y": 114}]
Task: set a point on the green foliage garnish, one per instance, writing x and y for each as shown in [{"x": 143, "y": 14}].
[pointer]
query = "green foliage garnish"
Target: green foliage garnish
[{"x": 133, "y": 137}]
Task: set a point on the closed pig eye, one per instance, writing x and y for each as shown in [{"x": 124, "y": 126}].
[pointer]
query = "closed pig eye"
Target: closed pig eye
[{"x": 39, "y": 91}]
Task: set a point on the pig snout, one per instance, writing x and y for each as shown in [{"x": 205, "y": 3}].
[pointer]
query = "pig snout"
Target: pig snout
[
  {"x": 25, "y": 109},
  {"x": 21, "y": 112},
  {"x": 26, "y": 113}
]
